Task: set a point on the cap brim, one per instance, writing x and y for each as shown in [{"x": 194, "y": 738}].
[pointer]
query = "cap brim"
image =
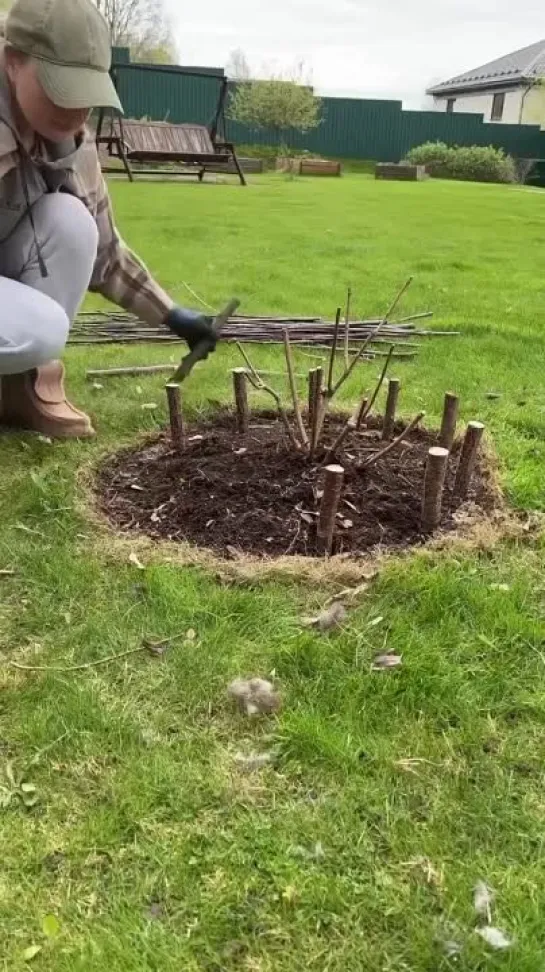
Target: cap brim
[{"x": 77, "y": 87}]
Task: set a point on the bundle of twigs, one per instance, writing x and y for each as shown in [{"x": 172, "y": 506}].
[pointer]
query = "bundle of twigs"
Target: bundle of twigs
[{"x": 95, "y": 327}]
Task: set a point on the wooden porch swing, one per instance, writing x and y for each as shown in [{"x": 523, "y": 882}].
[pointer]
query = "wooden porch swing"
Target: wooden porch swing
[{"x": 194, "y": 148}]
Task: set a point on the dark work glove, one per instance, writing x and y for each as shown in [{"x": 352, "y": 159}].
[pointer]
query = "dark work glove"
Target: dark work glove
[{"x": 191, "y": 326}]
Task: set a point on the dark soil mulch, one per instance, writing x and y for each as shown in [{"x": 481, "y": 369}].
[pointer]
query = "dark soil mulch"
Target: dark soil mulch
[{"x": 255, "y": 494}]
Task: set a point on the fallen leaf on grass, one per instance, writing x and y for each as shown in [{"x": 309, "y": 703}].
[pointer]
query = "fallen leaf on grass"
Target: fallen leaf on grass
[
  {"x": 149, "y": 406},
  {"x": 483, "y": 899},
  {"x": 331, "y": 617},
  {"x": 290, "y": 894},
  {"x": 411, "y": 764},
  {"x": 31, "y": 952},
  {"x": 133, "y": 559},
  {"x": 156, "y": 648},
  {"x": 97, "y": 386},
  {"x": 351, "y": 593},
  {"x": 51, "y": 926},
  {"x": 386, "y": 662},
  {"x": 495, "y": 937}
]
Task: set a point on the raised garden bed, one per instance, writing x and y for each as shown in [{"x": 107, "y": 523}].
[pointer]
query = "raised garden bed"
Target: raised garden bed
[
  {"x": 249, "y": 492},
  {"x": 401, "y": 170}
]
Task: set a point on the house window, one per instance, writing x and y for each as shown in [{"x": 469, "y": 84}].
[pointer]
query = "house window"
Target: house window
[
  {"x": 450, "y": 105},
  {"x": 498, "y": 104}
]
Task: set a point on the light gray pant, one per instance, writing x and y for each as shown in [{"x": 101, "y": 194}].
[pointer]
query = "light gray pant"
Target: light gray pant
[{"x": 35, "y": 311}]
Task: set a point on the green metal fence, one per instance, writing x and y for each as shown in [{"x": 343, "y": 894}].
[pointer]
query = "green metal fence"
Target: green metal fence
[{"x": 350, "y": 128}]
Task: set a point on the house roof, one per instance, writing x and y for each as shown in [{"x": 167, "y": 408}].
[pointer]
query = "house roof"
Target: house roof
[{"x": 527, "y": 64}]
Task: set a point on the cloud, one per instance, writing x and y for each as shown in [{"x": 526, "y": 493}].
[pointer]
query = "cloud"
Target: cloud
[{"x": 363, "y": 48}]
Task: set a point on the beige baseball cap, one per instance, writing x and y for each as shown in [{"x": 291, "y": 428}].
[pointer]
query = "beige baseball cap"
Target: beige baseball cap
[{"x": 69, "y": 41}]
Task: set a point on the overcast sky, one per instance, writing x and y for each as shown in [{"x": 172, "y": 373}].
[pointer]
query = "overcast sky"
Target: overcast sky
[{"x": 362, "y": 48}]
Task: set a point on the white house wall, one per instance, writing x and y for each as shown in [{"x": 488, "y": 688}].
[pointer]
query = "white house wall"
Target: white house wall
[
  {"x": 480, "y": 102},
  {"x": 534, "y": 107}
]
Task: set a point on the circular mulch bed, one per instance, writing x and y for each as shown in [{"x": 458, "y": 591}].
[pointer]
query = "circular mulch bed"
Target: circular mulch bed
[{"x": 254, "y": 494}]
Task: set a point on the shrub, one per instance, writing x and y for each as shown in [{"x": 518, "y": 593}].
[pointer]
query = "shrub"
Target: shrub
[
  {"x": 472, "y": 163},
  {"x": 434, "y": 155}
]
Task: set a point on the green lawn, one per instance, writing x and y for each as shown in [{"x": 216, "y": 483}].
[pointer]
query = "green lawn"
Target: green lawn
[{"x": 392, "y": 794}]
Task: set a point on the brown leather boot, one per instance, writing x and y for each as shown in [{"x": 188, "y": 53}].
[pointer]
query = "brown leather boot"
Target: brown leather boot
[{"x": 36, "y": 400}]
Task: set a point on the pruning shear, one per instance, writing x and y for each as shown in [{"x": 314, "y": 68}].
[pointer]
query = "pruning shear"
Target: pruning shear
[{"x": 203, "y": 348}]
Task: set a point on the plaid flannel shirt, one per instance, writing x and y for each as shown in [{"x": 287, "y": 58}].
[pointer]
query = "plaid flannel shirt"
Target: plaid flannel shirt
[{"x": 119, "y": 274}]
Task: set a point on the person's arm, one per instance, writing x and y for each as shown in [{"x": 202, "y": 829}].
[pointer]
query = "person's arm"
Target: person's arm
[{"x": 119, "y": 274}]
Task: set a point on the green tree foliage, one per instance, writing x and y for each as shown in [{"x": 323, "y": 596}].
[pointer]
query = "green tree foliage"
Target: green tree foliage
[{"x": 276, "y": 105}]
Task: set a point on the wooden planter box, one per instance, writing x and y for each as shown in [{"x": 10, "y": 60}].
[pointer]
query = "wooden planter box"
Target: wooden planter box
[
  {"x": 251, "y": 166},
  {"x": 286, "y": 164},
  {"x": 407, "y": 173},
  {"x": 320, "y": 167}
]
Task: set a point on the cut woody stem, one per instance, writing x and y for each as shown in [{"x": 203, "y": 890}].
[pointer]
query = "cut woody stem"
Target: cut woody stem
[
  {"x": 334, "y": 476},
  {"x": 332, "y": 388},
  {"x": 311, "y": 397},
  {"x": 255, "y": 380},
  {"x": 394, "y": 386},
  {"x": 382, "y": 323},
  {"x": 240, "y": 385},
  {"x": 333, "y": 353},
  {"x": 355, "y": 421},
  {"x": 347, "y": 329},
  {"x": 393, "y": 445},
  {"x": 432, "y": 500},
  {"x": 450, "y": 418},
  {"x": 318, "y": 411},
  {"x": 293, "y": 388},
  {"x": 468, "y": 458},
  {"x": 360, "y": 413},
  {"x": 177, "y": 429},
  {"x": 378, "y": 386}
]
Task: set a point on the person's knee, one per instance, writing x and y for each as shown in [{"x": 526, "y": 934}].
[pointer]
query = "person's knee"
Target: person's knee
[
  {"x": 72, "y": 227},
  {"x": 50, "y": 332}
]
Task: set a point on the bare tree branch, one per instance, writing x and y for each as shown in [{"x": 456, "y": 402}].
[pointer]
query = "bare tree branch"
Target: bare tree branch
[
  {"x": 372, "y": 335},
  {"x": 293, "y": 387},
  {"x": 393, "y": 445},
  {"x": 255, "y": 379},
  {"x": 333, "y": 353}
]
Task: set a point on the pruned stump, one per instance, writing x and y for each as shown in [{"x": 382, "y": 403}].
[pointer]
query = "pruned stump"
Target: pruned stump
[
  {"x": 333, "y": 484},
  {"x": 468, "y": 459},
  {"x": 240, "y": 387},
  {"x": 447, "y": 434},
  {"x": 434, "y": 482},
  {"x": 394, "y": 386},
  {"x": 176, "y": 419}
]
